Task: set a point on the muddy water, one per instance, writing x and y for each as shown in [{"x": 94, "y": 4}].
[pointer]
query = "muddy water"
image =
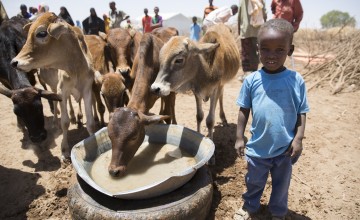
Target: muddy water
[{"x": 152, "y": 163}]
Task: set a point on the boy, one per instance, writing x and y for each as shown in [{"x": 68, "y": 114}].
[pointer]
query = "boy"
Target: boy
[{"x": 277, "y": 99}]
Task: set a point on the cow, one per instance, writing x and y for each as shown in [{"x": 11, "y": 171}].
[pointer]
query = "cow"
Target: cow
[
  {"x": 124, "y": 45},
  {"x": 127, "y": 126},
  {"x": 165, "y": 33},
  {"x": 202, "y": 67},
  {"x": 19, "y": 85},
  {"x": 107, "y": 83},
  {"x": 52, "y": 43}
]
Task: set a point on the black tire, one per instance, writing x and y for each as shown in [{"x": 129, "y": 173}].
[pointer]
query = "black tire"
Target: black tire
[{"x": 191, "y": 201}]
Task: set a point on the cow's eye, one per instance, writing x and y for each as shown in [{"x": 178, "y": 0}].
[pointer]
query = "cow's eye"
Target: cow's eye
[
  {"x": 179, "y": 61},
  {"x": 41, "y": 34}
]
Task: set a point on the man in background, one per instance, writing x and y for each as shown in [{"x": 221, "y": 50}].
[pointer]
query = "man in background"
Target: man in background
[
  {"x": 156, "y": 20},
  {"x": 290, "y": 10},
  {"x": 209, "y": 9},
  {"x": 146, "y": 22},
  {"x": 195, "y": 30},
  {"x": 23, "y": 12},
  {"x": 251, "y": 16},
  {"x": 220, "y": 15},
  {"x": 116, "y": 17}
]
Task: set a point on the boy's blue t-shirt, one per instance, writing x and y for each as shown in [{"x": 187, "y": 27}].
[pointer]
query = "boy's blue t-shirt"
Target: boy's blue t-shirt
[{"x": 275, "y": 101}]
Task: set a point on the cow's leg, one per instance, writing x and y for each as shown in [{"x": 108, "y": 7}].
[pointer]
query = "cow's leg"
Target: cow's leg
[
  {"x": 65, "y": 122},
  {"x": 51, "y": 103},
  {"x": 210, "y": 120},
  {"x": 79, "y": 116},
  {"x": 88, "y": 103},
  {"x": 199, "y": 112},
  {"x": 222, "y": 113},
  {"x": 96, "y": 117},
  {"x": 72, "y": 113},
  {"x": 100, "y": 105},
  {"x": 168, "y": 108}
]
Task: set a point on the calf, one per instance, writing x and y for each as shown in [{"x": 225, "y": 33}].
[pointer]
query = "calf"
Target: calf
[
  {"x": 52, "y": 43},
  {"x": 202, "y": 67},
  {"x": 127, "y": 126},
  {"x": 15, "y": 84}
]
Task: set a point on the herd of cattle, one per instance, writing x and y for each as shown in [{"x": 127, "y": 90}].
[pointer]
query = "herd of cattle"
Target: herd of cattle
[{"x": 128, "y": 69}]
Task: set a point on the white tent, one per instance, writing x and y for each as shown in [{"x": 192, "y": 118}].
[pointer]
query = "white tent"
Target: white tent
[{"x": 176, "y": 20}]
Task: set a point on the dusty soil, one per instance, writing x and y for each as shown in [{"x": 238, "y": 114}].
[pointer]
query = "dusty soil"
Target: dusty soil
[{"x": 325, "y": 181}]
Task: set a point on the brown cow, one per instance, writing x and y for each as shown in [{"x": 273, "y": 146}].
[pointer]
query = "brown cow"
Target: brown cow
[
  {"x": 202, "y": 67},
  {"x": 165, "y": 33},
  {"x": 52, "y": 43},
  {"x": 124, "y": 45},
  {"x": 127, "y": 126}
]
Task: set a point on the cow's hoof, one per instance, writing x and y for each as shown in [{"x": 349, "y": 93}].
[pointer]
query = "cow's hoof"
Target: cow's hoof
[{"x": 65, "y": 159}]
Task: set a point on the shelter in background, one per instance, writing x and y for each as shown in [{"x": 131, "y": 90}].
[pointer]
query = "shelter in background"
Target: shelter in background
[
  {"x": 3, "y": 14},
  {"x": 176, "y": 20}
]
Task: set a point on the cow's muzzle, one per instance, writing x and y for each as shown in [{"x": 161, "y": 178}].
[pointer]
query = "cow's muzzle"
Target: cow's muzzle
[
  {"x": 117, "y": 171},
  {"x": 39, "y": 138}
]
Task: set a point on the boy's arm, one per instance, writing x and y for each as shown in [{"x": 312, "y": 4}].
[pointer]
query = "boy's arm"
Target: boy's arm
[
  {"x": 240, "y": 139},
  {"x": 296, "y": 145}
]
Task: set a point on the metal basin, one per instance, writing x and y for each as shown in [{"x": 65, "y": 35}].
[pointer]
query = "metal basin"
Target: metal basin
[{"x": 201, "y": 148}]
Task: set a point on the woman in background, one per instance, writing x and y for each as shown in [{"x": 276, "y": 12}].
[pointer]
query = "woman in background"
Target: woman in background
[{"x": 64, "y": 14}]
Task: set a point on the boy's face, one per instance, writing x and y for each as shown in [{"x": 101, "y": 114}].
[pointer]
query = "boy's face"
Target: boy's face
[{"x": 273, "y": 47}]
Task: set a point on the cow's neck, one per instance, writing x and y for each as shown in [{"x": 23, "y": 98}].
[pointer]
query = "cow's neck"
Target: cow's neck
[
  {"x": 19, "y": 80},
  {"x": 78, "y": 59},
  {"x": 203, "y": 77}
]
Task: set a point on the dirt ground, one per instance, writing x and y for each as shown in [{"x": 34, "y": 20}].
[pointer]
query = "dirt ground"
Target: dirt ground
[{"x": 325, "y": 181}]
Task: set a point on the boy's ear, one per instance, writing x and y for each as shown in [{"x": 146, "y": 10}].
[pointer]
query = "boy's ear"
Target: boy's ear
[{"x": 292, "y": 47}]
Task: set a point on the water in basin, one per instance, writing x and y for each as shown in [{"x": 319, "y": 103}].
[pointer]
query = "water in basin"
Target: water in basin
[{"x": 152, "y": 163}]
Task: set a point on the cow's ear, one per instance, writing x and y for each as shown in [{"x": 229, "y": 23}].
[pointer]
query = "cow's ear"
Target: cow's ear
[
  {"x": 147, "y": 120},
  {"x": 56, "y": 30},
  {"x": 5, "y": 91},
  {"x": 103, "y": 36},
  {"x": 204, "y": 47},
  {"x": 26, "y": 27},
  {"x": 98, "y": 78}
]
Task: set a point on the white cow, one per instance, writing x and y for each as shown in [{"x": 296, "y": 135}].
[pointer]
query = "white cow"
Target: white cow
[
  {"x": 202, "y": 67},
  {"x": 52, "y": 43}
]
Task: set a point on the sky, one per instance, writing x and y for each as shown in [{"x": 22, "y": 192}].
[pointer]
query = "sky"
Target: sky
[{"x": 79, "y": 9}]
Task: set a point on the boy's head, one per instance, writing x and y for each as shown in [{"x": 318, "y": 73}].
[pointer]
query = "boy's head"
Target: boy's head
[
  {"x": 194, "y": 19},
  {"x": 275, "y": 43}
]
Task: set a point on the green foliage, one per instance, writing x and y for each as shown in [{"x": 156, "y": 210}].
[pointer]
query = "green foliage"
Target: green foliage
[{"x": 337, "y": 19}]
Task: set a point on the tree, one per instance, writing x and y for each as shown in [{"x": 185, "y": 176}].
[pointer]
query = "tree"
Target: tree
[{"x": 337, "y": 19}]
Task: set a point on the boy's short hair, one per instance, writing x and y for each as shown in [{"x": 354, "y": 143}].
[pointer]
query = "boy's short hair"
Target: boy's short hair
[{"x": 278, "y": 24}]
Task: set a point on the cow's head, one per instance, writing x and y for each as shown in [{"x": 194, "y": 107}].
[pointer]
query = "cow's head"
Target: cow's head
[
  {"x": 28, "y": 108},
  {"x": 43, "y": 47},
  {"x": 179, "y": 58},
  {"x": 127, "y": 131},
  {"x": 112, "y": 90},
  {"x": 125, "y": 44}
]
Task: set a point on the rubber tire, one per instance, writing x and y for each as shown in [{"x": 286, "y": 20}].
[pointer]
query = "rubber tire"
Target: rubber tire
[{"x": 191, "y": 201}]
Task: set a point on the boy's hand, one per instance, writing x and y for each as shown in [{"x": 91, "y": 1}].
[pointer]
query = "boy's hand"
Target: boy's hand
[
  {"x": 295, "y": 149},
  {"x": 240, "y": 147}
]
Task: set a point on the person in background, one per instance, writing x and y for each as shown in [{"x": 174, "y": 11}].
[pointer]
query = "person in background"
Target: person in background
[
  {"x": 209, "y": 9},
  {"x": 33, "y": 10},
  {"x": 290, "y": 10},
  {"x": 42, "y": 9},
  {"x": 276, "y": 97},
  {"x": 195, "y": 30},
  {"x": 220, "y": 15},
  {"x": 23, "y": 12},
  {"x": 106, "y": 23},
  {"x": 93, "y": 24},
  {"x": 251, "y": 16},
  {"x": 64, "y": 14},
  {"x": 146, "y": 22},
  {"x": 156, "y": 20},
  {"x": 116, "y": 17}
]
